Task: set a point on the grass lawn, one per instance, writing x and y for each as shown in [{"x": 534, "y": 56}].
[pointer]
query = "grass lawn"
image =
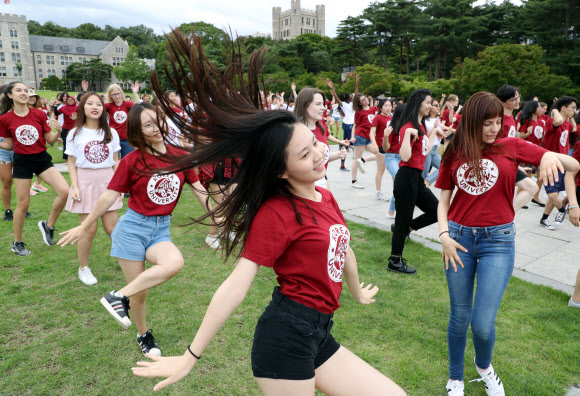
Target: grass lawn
[{"x": 56, "y": 338}]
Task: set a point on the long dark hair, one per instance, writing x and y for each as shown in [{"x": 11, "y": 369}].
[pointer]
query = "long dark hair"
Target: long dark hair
[
  {"x": 528, "y": 111},
  {"x": 411, "y": 112},
  {"x": 467, "y": 143},
  {"x": 228, "y": 122},
  {"x": 6, "y": 103},
  {"x": 103, "y": 119},
  {"x": 396, "y": 121}
]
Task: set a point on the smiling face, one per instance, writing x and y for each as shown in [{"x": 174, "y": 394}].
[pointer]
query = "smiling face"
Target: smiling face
[
  {"x": 93, "y": 107},
  {"x": 173, "y": 98},
  {"x": 70, "y": 101},
  {"x": 149, "y": 128},
  {"x": 19, "y": 94},
  {"x": 304, "y": 159},
  {"x": 490, "y": 130},
  {"x": 315, "y": 109},
  {"x": 425, "y": 107}
]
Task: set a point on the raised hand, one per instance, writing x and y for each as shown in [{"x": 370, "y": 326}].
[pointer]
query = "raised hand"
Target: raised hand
[
  {"x": 85, "y": 85},
  {"x": 135, "y": 87}
]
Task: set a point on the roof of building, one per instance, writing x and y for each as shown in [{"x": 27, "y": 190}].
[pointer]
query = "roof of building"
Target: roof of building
[{"x": 60, "y": 45}]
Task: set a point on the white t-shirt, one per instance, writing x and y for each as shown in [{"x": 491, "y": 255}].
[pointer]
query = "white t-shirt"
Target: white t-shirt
[
  {"x": 88, "y": 150},
  {"x": 173, "y": 133},
  {"x": 348, "y": 113},
  {"x": 289, "y": 108},
  {"x": 430, "y": 124},
  {"x": 336, "y": 112},
  {"x": 60, "y": 116}
]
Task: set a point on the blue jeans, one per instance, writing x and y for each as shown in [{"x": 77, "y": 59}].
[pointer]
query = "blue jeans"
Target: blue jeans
[
  {"x": 392, "y": 164},
  {"x": 126, "y": 148},
  {"x": 490, "y": 257},
  {"x": 346, "y": 131},
  {"x": 433, "y": 158}
]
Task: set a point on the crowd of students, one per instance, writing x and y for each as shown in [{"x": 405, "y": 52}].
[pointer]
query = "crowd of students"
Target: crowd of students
[{"x": 261, "y": 170}]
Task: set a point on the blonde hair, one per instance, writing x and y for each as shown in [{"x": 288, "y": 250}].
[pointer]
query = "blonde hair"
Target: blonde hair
[
  {"x": 452, "y": 97},
  {"x": 112, "y": 87}
]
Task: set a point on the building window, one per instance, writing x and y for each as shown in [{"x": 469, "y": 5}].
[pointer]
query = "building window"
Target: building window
[
  {"x": 13, "y": 33},
  {"x": 40, "y": 73},
  {"x": 294, "y": 10},
  {"x": 64, "y": 48},
  {"x": 0, "y": 43},
  {"x": 2, "y": 59},
  {"x": 3, "y": 72},
  {"x": 48, "y": 59},
  {"x": 17, "y": 57},
  {"x": 62, "y": 60},
  {"x": 39, "y": 59},
  {"x": 313, "y": 22},
  {"x": 81, "y": 50},
  {"x": 48, "y": 47},
  {"x": 15, "y": 70},
  {"x": 13, "y": 57},
  {"x": 303, "y": 20},
  {"x": 52, "y": 60},
  {"x": 308, "y": 21},
  {"x": 64, "y": 74}
]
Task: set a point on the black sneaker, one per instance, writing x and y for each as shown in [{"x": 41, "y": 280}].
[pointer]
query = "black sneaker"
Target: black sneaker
[
  {"x": 118, "y": 306},
  {"x": 398, "y": 264},
  {"x": 28, "y": 215},
  {"x": 148, "y": 344},
  {"x": 20, "y": 248},
  {"x": 47, "y": 233},
  {"x": 8, "y": 215}
]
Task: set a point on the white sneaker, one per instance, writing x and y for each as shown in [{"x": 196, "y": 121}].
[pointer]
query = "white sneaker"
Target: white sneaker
[
  {"x": 87, "y": 277},
  {"x": 560, "y": 216},
  {"x": 491, "y": 381},
  {"x": 213, "y": 241},
  {"x": 390, "y": 216},
  {"x": 60, "y": 149},
  {"x": 573, "y": 304},
  {"x": 382, "y": 197},
  {"x": 361, "y": 166},
  {"x": 455, "y": 388},
  {"x": 356, "y": 184},
  {"x": 546, "y": 223}
]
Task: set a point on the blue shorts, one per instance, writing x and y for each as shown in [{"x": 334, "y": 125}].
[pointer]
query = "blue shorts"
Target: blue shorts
[
  {"x": 361, "y": 141},
  {"x": 558, "y": 185},
  {"x": 6, "y": 157},
  {"x": 135, "y": 233},
  {"x": 337, "y": 119}
]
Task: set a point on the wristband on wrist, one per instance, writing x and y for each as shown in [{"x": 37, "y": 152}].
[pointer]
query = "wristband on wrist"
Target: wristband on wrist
[
  {"x": 573, "y": 207},
  {"x": 193, "y": 354},
  {"x": 443, "y": 233}
]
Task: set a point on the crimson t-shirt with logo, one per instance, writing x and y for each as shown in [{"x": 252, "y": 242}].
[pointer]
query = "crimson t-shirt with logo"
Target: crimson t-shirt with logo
[
  {"x": 151, "y": 194},
  {"x": 537, "y": 135},
  {"x": 322, "y": 137},
  {"x": 68, "y": 110},
  {"x": 509, "y": 127},
  {"x": 445, "y": 119},
  {"x": 490, "y": 202},
  {"x": 419, "y": 148},
  {"x": 576, "y": 156},
  {"x": 118, "y": 117},
  {"x": 380, "y": 123},
  {"x": 556, "y": 138},
  {"x": 363, "y": 120},
  {"x": 27, "y": 132},
  {"x": 307, "y": 258}
]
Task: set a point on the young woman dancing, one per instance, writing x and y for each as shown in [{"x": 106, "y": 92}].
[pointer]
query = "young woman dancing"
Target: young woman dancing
[
  {"x": 276, "y": 196},
  {"x": 363, "y": 118},
  {"x": 92, "y": 148},
  {"x": 142, "y": 233},
  {"x": 477, "y": 231},
  {"x": 118, "y": 109},
  {"x": 391, "y": 147},
  {"x": 377, "y": 135},
  {"x": 26, "y": 131}
]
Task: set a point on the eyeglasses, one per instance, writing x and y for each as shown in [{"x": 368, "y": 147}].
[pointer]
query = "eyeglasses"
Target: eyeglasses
[
  {"x": 117, "y": 94},
  {"x": 516, "y": 99}
]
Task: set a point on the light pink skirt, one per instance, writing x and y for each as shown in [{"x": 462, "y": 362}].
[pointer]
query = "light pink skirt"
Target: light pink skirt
[{"x": 92, "y": 183}]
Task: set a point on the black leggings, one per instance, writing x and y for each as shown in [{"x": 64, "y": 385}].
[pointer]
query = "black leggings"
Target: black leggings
[{"x": 410, "y": 190}]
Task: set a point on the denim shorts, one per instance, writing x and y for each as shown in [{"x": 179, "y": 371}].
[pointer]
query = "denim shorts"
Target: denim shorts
[
  {"x": 337, "y": 119},
  {"x": 558, "y": 185},
  {"x": 135, "y": 233},
  {"x": 361, "y": 141},
  {"x": 6, "y": 157},
  {"x": 291, "y": 340}
]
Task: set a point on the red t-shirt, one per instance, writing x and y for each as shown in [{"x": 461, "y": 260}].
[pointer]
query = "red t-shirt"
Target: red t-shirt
[
  {"x": 395, "y": 143},
  {"x": 491, "y": 203},
  {"x": 308, "y": 258},
  {"x": 556, "y": 138},
  {"x": 68, "y": 110},
  {"x": 445, "y": 119},
  {"x": 26, "y": 132},
  {"x": 322, "y": 137},
  {"x": 151, "y": 195},
  {"x": 537, "y": 135},
  {"x": 419, "y": 148},
  {"x": 363, "y": 120},
  {"x": 576, "y": 156},
  {"x": 327, "y": 109},
  {"x": 118, "y": 117},
  {"x": 380, "y": 123},
  {"x": 178, "y": 110},
  {"x": 509, "y": 127}
]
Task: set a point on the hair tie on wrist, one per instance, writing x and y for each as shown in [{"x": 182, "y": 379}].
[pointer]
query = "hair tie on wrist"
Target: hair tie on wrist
[
  {"x": 193, "y": 354},
  {"x": 573, "y": 207},
  {"x": 443, "y": 233}
]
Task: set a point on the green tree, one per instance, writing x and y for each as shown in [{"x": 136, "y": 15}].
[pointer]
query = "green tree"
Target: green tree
[
  {"x": 51, "y": 83},
  {"x": 133, "y": 69},
  {"x": 373, "y": 81},
  {"x": 351, "y": 39},
  {"x": 92, "y": 71}
]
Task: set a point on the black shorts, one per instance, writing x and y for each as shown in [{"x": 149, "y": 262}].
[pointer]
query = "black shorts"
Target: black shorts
[
  {"x": 381, "y": 151},
  {"x": 520, "y": 176},
  {"x": 26, "y": 165},
  {"x": 291, "y": 340},
  {"x": 219, "y": 176}
]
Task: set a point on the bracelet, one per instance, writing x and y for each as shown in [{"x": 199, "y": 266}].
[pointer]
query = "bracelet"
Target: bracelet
[
  {"x": 573, "y": 207},
  {"x": 193, "y": 354},
  {"x": 443, "y": 233}
]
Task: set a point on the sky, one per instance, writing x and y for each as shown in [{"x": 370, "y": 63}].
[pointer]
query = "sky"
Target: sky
[{"x": 243, "y": 16}]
